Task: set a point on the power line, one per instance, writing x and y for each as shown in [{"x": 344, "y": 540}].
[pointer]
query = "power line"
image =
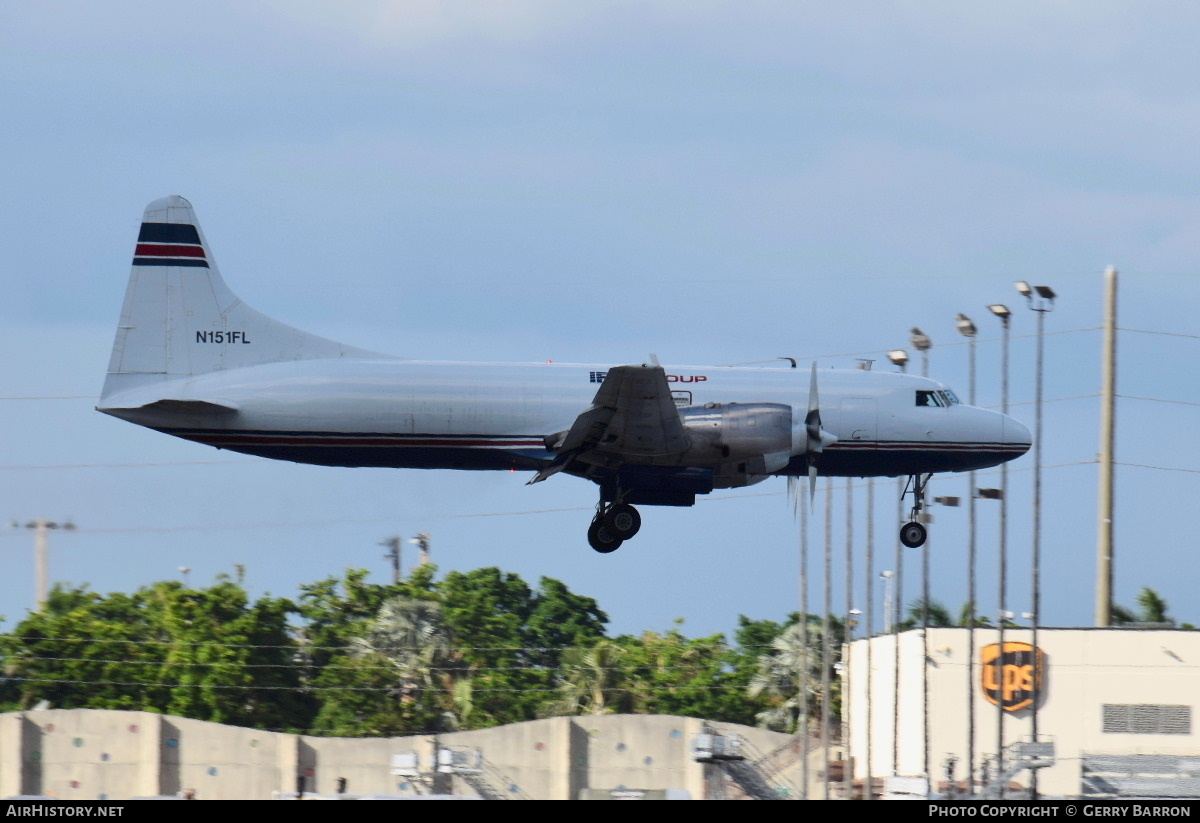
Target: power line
[
  {"x": 1158, "y": 399},
  {"x": 1165, "y": 333},
  {"x": 55, "y": 397},
  {"x": 300, "y": 646},
  {"x": 884, "y": 351},
  {"x": 131, "y": 465},
  {"x": 1159, "y": 468},
  {"x": 307, "y": 688},
  {"x": 313, "y": 524},
  {"x": 301, "y": 665}
]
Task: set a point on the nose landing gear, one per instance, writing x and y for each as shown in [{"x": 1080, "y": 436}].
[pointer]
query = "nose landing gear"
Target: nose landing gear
[
  {"x": 613, "y": 524},
  {"x": 913, "y": 534}
]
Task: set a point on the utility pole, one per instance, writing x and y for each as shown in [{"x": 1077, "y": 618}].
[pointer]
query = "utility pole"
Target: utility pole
[
  {"x": 41, "y": 528},
  {"x": 393, "y": 544},
  {"x": 421, "y": 541},
  {"x": 1108, "y": 389}
]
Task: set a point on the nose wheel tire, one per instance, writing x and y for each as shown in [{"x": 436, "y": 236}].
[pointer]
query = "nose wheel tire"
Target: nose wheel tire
[
  {"x": 623, "y": 521},
  {"x": 912, "y": 535},
  {"x": 601, "y": 538}
]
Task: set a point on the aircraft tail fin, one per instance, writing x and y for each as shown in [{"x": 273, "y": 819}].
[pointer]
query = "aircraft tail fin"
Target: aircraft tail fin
[{"x": 180, "y": 319}]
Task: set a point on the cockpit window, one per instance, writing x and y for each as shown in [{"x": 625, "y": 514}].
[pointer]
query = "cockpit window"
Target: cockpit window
[{"x": 941, "y": 398}]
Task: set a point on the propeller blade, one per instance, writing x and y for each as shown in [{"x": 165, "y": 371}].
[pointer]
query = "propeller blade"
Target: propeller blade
[
  {"x": 812, "y": 421},
  {"x": 812, "y": 429}
]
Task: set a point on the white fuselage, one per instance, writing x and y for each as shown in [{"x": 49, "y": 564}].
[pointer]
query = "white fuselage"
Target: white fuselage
[{"x": 412, "y": 414}]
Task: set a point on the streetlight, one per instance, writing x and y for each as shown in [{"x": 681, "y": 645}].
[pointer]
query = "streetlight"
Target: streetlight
[
  {"x": 1042, "y": 303},
  {"x": 899, "y": 358},
  {"x": 967, "y": 329},
  {"x": 847, "y": 770},
  {"x": 1001, "y": 311},
  {"x": 40, "y": 528},
  {"x": 185, "y": 571},
  {"x": 921, "y": 342}
]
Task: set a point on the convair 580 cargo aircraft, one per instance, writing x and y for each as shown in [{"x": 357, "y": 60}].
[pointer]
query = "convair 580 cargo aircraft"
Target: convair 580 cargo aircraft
[{"x": 192, "y": 360}]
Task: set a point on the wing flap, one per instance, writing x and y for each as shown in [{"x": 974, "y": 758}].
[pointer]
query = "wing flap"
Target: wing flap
[
  {"x": 632, "y": 416},
  {"x": 645, "y": 422}
]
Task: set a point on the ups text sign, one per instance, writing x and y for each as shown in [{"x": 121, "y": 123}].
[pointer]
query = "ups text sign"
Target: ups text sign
[{"x": 1012, "y": 677}]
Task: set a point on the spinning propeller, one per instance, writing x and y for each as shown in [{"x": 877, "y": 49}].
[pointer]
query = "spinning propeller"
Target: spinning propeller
[{"x": 815, "y": 438}]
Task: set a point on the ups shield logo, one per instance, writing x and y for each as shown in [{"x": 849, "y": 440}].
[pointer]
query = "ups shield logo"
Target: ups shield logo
[{"x": 1009, "y": 675}]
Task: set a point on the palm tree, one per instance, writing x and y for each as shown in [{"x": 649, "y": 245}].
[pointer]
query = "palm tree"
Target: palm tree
[
  {"x": 964, "y": 616},
  {"x": 779, "y": 676},
  {"x": 939, "y": 615},
  {"x": 589, "y": 682},
  {"x": 1152, "y": 609},
  {"x": 412, "y": 637}
]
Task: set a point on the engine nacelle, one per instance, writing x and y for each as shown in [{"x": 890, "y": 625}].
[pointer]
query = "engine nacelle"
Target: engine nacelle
[{"x": 720, "y": 434}]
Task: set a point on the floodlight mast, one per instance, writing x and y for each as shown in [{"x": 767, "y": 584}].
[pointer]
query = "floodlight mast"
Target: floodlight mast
[
  {"x": 1042, "y": 304},
  {"x": 967, "y": 328},
  {"x": 1001, "y": 311}
]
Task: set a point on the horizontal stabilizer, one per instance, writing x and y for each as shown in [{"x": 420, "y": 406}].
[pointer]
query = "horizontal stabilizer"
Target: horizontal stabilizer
[{"x": 174, "y": 406}]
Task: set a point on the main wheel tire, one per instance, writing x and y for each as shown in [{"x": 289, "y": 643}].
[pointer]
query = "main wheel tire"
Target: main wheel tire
[
  {"x": 601, "y": 538},
  {"x": 623, "y": 521},
  {"x": 913, "y": 535}
]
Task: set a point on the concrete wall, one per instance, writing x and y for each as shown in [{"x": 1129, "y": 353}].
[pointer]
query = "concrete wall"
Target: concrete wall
[
  {"x": 87, "y": 754},
  {"x": 1085, "y": 669}
]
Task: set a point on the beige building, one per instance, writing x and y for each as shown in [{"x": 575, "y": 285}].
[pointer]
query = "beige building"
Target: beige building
[
  {"x": 1118, "y": 704},
  {"x": 84, "y": 754}
]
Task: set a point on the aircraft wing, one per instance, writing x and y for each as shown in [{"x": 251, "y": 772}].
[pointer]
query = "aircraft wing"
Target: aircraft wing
[{"x": 633, "y": 415}]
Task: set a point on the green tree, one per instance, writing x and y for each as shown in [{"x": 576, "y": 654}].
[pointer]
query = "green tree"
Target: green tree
[
  {"x": 669, "y": 673},
  {"x": 964, "y": 615},
  {"x": 398, "y": 674},
  {"x": 1152, "y": 608},
  {"x": 508, "y": 641},
  {"x": 591, "y": 681},
  {"x": 939, "y": 615},
  {"x": 513, "y": 638},
  {"x": 789, "y": 661},
  {"x": 209, "y": 654}
]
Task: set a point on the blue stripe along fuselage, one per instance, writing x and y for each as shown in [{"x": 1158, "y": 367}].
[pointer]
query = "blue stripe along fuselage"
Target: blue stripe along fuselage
[
  {"x": 379, "y": 449},
  {"x": 477, "y": 451}
]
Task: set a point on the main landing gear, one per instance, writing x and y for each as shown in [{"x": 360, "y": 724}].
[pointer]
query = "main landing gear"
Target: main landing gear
[
  {"x": 913, "y": 534},
  {"x": 613, "y": 524}
]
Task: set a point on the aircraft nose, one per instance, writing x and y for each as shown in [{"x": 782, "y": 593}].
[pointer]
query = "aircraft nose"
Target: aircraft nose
[{"x": 1017, "y": 433}]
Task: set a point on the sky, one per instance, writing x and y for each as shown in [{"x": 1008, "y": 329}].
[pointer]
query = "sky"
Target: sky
[{"x": 712, "y": 182}]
